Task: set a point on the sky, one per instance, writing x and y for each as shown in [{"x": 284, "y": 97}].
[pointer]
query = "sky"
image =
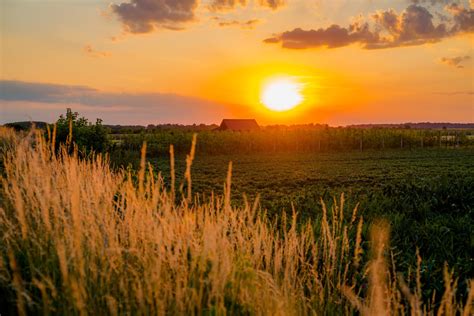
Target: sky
[{"x": 199, "y": 61}]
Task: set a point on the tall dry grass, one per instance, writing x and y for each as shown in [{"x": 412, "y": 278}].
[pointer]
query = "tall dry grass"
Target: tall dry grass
[{"x": 78, "y": 238}]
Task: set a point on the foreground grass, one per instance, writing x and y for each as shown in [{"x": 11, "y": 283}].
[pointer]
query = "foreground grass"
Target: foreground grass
[
  {"x": 425, "y": 194},
  {"x": 78, "y": 238}
]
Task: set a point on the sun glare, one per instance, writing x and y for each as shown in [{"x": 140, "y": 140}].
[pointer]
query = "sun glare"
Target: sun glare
[{"x": 281, "y": 94}]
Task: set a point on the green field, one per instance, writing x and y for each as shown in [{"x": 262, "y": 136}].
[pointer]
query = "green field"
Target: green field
[
  {"x": 284, "y": 177},
  {"x": 62, "y": 209},
  {"x": 426, "y": 194}
]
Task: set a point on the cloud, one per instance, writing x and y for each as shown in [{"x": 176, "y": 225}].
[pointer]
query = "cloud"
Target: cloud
[
  {"x": 432, "y": 2},
  {"x": 223, "y": 5},
  {"x": 40, "y": 92},
  {"x": 145, "y": 16},
  {"x": 454, "y": 61},
  {"x": 456, "y": 93},
  {"x": 143, "y": 107},
  {"x": 248, "y": 25},
  {"x": 117, "y": 38},
  {"x": 331, "y": 37},
  {"x": 385, "y": 29},
  {"x": 463, "y": 17},
  {"x": 92, "y": 52},
  {"x": 226, "y": 5},
  {"x": 413, "y": 27},
  {"x": 272, "y": 4}
]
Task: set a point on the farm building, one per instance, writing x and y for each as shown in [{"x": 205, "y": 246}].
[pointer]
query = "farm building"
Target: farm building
[{"x": 239, "y": 125}]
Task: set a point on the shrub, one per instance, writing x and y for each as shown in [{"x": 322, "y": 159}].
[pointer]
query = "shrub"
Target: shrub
[{"x": 78, "y": 130}]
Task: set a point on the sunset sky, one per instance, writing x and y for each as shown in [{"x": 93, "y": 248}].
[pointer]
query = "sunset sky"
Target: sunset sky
[{"x": 198, "y": 61}]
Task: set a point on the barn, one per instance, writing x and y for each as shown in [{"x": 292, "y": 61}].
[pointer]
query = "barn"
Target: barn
[{"x": 239, "y": 125}]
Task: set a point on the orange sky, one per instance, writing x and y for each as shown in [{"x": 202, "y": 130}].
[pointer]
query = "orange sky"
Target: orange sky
[{"x": 190, "y": 61}]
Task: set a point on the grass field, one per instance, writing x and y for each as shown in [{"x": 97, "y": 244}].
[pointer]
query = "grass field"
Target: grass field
[
  {"x": 425, "y": 194},
  {"x": 285, "y": 177},
  {"x": 78, "y": 237}
]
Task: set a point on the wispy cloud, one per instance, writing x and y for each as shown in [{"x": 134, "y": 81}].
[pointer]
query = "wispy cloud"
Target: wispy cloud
[
  {"x": 451, "y": 93},
  {"x": 226, "y": 5},
  {"x": 273, "y": 4},
  {"x": 432, "y": 2},
  {"x": 247, "y": 24},
  {"x": 92, "y": 52},
  {"x": 455, "y": 61}
]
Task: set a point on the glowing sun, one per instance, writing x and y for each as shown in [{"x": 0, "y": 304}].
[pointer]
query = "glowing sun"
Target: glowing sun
[{"x": 281, "y": 94}]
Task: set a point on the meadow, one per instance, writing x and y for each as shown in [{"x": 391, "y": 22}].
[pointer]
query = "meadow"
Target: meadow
[
  {"x": 424, "y": 193},
  {"x": 270, "y": 233}
]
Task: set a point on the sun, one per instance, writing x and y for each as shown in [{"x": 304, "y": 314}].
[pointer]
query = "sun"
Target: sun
[{"x": 281, "y": 94}]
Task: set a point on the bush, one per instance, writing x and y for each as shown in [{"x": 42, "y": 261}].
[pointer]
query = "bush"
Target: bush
[{"x": 78, "y": 130}]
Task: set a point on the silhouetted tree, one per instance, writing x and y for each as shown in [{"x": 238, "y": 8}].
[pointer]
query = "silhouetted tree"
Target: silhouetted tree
[{"x": 84, "y": 134}]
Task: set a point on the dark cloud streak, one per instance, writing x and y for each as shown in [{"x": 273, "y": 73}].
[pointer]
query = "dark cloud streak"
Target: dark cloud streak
[
  {"x": 453, "y": 93},
  {"x": 160, "y": 106},
  {"x": 247, "y": 25},
  {"x": 226, "y": 5}
]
